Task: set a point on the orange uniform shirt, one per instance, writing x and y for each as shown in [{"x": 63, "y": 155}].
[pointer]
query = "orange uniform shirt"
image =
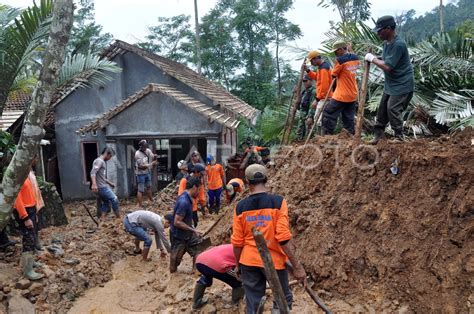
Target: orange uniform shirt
[
  {"x": 345, "y": 71},
  {"x": 201, "y": 199},
  {"x": 323, "y": 80},
  {"x": 215, "y": 173},
  {"x": 239, "y": 182},
  {"x": 269, "y": 214},
  {"x": 26, "y": 198}
]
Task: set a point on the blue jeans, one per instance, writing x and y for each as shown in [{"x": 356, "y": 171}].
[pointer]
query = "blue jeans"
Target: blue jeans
[
  {"x": 215, "y": 198},
  {"x": 137, "y": 231},
  {"x": 143, "y": 181},
  {"x": 108, "y": 197}
]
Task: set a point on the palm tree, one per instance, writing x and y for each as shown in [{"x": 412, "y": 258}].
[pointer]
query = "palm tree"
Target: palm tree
[{"x": 22, "y": 39}]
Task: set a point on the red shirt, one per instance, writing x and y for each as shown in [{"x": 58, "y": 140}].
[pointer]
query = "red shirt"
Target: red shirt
[{"x": 220, "y": 258}]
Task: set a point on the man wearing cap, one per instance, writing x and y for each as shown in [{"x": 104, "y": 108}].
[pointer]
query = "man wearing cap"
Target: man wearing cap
[
  {"x": 268, "y": 213},
  {"x": 197, "y": 171},
  {"x": 145, "y": 160},
  {"x": 138, "y": 222},
  {"x": 323, "y": 83},
  {"x": 305, "y": 100},
  {"x": 182, "y": 231},
  {"x": 344, "y": 98},
  {"x": 233, "y": 187},
  {"x": 183, "y": 172},
  {"x": 399, "y": 81}
]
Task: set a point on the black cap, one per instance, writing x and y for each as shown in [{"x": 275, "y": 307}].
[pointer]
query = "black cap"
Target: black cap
[{"x": 384, "y": 21}]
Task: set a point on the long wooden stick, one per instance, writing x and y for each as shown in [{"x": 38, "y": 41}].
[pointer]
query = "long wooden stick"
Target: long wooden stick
[
  {"x": 317, "y": 300},
  {"x": 318, "y": 114},
  {"x": 291, "y": 115},
  {"x": 270, "y": 272},
  {"x": 362, "y": 100}
]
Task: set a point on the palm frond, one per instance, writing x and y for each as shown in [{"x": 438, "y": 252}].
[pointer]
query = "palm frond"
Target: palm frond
[
  {"x": 86, "y": 70},
  {"x": 451, "y": 108},
  {"x": 19, "y": 41},
  {"x": 443, "y": 51}
]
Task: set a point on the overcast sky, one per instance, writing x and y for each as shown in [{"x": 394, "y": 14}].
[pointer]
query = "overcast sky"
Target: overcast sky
[{"x": 128, "y": 19}]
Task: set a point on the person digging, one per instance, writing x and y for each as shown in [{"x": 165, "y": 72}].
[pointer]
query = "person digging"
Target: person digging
[
  {"x": 219, "y": 263},
  {"x": 138, "y": 222}
]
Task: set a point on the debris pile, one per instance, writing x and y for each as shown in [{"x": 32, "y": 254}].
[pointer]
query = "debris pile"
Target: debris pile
[{"x": 379, "y": 239}]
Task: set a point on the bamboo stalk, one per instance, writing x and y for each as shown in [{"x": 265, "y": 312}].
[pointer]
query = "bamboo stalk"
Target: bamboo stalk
[
  {"x": 270, "y": 272},
  {"x": 294, "y": 107},
  {"x": 318, "y": 114},
  {"x": 362, "y": 100}
]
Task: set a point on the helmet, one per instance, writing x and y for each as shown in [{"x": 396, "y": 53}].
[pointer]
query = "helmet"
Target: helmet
[
  {"x": 181, "y": 164},
  {"x": 313, "y": 54},
  {"x": 209, "y": 158}
]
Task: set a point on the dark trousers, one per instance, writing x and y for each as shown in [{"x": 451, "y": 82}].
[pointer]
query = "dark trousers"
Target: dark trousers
[
  {"x": 215, "y": 199},
  {"x": 331, "y": 114},
  {"x": 3, "y": 238},
  {"x": 301, "y": 132},
  {"x": 390, "y": 111},
  {"x": 207, "y": 274},
  {"x": 195, "y": 219},
  {"x": 28, "y": 235},
  {"x": 254, "y": 282}
]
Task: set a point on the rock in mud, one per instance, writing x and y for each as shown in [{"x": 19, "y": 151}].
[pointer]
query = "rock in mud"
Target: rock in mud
[
  {"x": 36, "y": 288},
  {"x": 23, "y": 284},
  {"x": 19, "y": 305}
]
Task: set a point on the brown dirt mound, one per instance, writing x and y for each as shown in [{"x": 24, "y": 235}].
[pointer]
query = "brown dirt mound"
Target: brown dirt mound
[{"x": 376, "y": 238}]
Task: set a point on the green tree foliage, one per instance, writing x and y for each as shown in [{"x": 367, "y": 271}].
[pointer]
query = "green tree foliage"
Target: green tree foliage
[
  {"x": 220, "y": 52},
  {"x": 456, "y": 14},
  {"x": 172, "y": 38},
  {"x": 350, "y": 11},
  {"x": 282, "y": 30},
  {"x": 86, "y": 35}
]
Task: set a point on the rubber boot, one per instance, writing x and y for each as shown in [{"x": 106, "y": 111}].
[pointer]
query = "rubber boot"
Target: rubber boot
[
  {"x": 38, "y": 246},
  {"x": 237, "y": 295},
  {"x": 378, "y": 136},
  {"x": 198, "y": 299},
  {"x": 27, "y": 265}
]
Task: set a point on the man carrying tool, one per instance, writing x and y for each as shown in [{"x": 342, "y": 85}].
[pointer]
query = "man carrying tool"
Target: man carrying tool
[
  {"x": 323, "y": 83},
  {"x": 25, "y": 215},
  {"x": 145, "y": 160},
  {"x": 138, "y": 222},
  {"x": 102, "y": 186},
  {"x": 233, "y": 187},
  {"x": 197, "y": 171},
  {"x": 344, "y": 98},
  {"x": 399, "y": 81},
  {"x": 183, "y": 234},
  {"x": 215, "y": 182},
  {"x": 217, "y": 262},
  {"x": 269, "y": 214},
  {"x": 305, "y": 101}
]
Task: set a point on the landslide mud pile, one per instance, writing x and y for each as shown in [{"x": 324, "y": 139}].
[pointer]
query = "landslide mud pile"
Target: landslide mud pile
[{"x": 378, "y": 239}]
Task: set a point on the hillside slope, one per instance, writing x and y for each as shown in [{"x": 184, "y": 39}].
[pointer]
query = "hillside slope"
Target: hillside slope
[{"x": 379, "y": 239}]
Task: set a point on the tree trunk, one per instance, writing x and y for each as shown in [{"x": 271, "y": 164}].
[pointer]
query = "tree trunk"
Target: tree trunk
[
  {"x": 277, "y": 57},
  {"x": 441, "y": 16},
  {"x": 33, "y": 132},
  {"x": 198, "y": 40}
]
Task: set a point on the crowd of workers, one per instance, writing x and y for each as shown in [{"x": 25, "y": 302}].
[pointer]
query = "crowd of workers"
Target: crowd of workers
[{"x": 238, "y": 264}]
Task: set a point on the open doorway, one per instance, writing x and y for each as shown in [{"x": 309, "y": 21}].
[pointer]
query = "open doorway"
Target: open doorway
[{"x": 90, "y": 151}]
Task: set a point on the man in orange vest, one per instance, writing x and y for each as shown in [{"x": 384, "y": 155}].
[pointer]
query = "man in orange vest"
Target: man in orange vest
[
  {"x": 25, "y": 216},
  {"x": 196, "y": 170},
  {"x": 269, "y": 214},
  {"x": 323, "y": 83},
  {"x": 344, "y": 99}
]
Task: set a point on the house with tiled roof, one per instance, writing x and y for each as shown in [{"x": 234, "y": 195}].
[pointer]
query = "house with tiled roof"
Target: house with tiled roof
[{"x": 176, "y": 109}]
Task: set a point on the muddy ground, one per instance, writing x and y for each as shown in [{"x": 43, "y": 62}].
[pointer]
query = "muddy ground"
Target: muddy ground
[{"x": 370, "y": 239}]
